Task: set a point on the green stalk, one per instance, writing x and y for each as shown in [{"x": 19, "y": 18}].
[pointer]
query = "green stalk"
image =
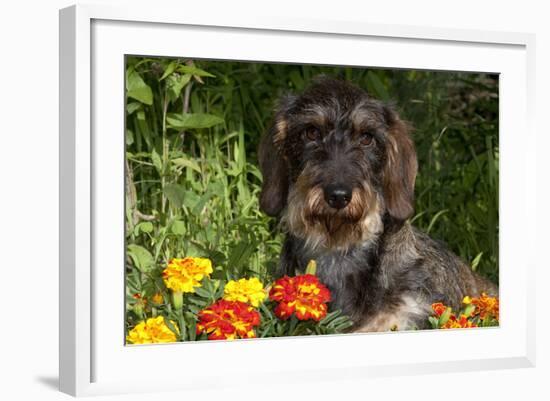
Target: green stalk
[{"x": 164, "y": 151}]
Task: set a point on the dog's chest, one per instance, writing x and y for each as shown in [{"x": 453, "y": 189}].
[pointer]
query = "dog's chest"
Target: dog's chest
[
  {"x": 353, "y": 278},
  {"x": 335, "y": 270}
]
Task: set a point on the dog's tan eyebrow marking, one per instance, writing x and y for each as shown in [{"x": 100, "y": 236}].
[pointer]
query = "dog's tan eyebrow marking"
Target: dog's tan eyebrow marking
[
  {"x": 281, "y": 127},
  {"x": 316, "y": 115},
  {"x": 363, "y": 119}
]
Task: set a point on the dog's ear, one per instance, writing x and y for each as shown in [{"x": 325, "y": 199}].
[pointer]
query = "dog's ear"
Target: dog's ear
[
  {"x": 400, "y": 169},
  {"x": 273, "y": 164}
]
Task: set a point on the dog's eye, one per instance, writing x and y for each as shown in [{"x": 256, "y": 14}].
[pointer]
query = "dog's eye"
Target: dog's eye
[
  {"x": 367, "y": 138},
  {"x": 312, "y": 133}
]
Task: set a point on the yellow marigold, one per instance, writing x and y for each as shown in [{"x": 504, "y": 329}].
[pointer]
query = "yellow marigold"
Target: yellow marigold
[
  {"x": 154, "y": 330},
  {"x": 183, "y": 275},
  {"x": 158, "y": 298},
  {"x": 250, "y": 291}
]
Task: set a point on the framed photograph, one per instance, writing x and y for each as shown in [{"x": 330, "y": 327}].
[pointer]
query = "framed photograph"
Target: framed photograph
[{"x": 249, "y": 190}]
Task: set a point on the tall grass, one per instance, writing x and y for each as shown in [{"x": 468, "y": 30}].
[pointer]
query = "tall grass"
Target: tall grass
[{"x": 192, "y": 180}]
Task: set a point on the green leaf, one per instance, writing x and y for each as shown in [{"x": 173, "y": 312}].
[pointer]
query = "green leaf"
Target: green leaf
[
  {"x": 169, "y": 70},
  {"x": 469, "y": 309},
  {"x": 200, "y": 302},
  {"x": 192, "y": 326},
  {"x": 202, "y": 292},
  {"x": 199, "y": 206},
  {"x": 240, "y": 254},
  {"x": 195, "y": 308},
  {"x": 185, "y": 162},
  {"x": 157, "y": 162},
  {"x": 136, "y": 87},
  {"x": 329, "y": 317},
  {"x": 267, "y": 329},
  {"x": 444, "y": 318},
  {"x": 476, "y": 261},
  {"x": 186, "y": 69},
  {"x": 175, "y": 194},
  {"x": 132, "y": 107},
  {"x": 178, "y": 227},
  {"x": 169, "y": 324},
  {"x": 434, "y": 322},
  {"x": 129, "y": 137},
  {"x": 141, "y": 257},
  {"x": 192, "y": 121},
  {"x": 175, "y": 83},
  {"x": 145, "y": 227},
  {"x": 344, "y": 325},
  {"x": 434, "y": 219},
  {"x": 340, "y": 320}
]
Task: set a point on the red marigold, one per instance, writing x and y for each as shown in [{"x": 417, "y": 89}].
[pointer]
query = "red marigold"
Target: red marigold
[
  {"x": 438, "y": 308},
  {"x": 305, "y": 296},
  {"x": 461, "y": 322},
  {"x": 227, "y": 320}
]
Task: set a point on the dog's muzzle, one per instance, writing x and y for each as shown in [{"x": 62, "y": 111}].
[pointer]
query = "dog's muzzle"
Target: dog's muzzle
[{"x": 337, "y": 196}]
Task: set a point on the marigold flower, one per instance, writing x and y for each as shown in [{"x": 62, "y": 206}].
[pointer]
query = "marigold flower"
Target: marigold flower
[
  {"x": 305, "y": 296},
  {"x": 183, "y": 275},
  {"x": 157, "y": 298},
  {"x": 154, "y": 330},
  {"x": 228, "y": 320},
  {"x": 461, "y": 322},
  {"x": 250, "y": 291},
  {"x": 486, "y": 306},
  {"x": 438, "y": 308}
]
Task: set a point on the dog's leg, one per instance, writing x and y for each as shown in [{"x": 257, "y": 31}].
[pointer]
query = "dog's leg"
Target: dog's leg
[{"x": 289, "y": 261}]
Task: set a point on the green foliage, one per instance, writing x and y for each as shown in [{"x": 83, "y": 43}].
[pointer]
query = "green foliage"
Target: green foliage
[
  {"x": 333, "y": 323},
  {"x": 192, "y": 178}
]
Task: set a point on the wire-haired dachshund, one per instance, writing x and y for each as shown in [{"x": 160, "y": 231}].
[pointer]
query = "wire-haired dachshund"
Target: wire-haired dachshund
[{"x": 339, "y": 170}]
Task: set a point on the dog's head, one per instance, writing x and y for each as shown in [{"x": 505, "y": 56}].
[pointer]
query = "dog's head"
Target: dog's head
[{"x": 334, "y": 163}]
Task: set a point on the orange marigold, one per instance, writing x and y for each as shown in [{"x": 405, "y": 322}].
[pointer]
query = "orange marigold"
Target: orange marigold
[
  {"x": 158, "y": 298},
  {"x": 461, "y": 322},
  {"x": 305, "y": 296},
  {"x": 227, "y": 320},
  {"x": 485, "y": 306}
]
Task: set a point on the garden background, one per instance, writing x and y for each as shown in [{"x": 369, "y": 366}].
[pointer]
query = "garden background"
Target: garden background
[{"x": 192, "y": 180}]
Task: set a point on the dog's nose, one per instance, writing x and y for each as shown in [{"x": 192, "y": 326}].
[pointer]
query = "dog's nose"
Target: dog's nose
[{"x": 337, "y": 195}]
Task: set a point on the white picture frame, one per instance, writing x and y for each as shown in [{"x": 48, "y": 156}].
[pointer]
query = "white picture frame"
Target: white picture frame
[{"x": 93, "y": 40}]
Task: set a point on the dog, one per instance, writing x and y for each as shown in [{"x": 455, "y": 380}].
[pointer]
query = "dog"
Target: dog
[{"x": 339, "y": 169}]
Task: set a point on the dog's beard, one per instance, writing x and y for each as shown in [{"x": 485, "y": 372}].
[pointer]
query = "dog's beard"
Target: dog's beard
[{"x": 321, "y": 227}]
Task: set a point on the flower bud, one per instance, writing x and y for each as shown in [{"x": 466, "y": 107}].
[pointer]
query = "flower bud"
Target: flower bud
[
  {"x": 311, "y": 267},
  {"x": 177, "y": 299}
]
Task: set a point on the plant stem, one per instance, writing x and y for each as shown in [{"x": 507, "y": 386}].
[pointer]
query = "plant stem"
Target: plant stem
[{"x": 164, "y": 151}]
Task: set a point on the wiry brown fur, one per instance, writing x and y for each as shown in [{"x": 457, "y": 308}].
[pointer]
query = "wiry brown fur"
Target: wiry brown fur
[
  {"x": 309, "y": 217},
  {"x": 335, "y": 141}
]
